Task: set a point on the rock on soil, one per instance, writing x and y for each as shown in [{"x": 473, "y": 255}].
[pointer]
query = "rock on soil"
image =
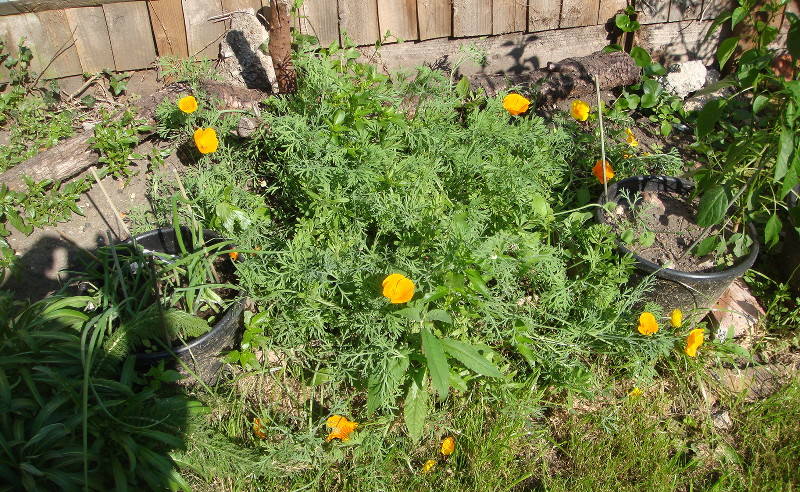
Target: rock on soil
[
  {"x": 737, "y": 310},
  {"x": 244, "y": 51}
]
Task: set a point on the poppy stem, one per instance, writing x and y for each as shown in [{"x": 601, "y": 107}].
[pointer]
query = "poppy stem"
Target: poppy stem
[{"x": 602, "y": 135}]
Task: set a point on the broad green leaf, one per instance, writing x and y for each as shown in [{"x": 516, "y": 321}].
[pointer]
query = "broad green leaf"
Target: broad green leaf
[
  {"x": 457, "y": 382},
  {"x": 717, "y": 22},
  {"x": 471, "y": 358},
  {"x": 462, "y": 88},
  {"x": 793, "y": 35},
  {"x": 415, "y": 409},
  {"x": 785, "y": 148},
  {"x": 612, "y": 48},
  {"x": 726, "y": 49},
  {"x": 647, "y": 238},
  {"x": 439, "y": 315},
  {"x": 666, "y": 128},
  {"x": 437, "y": 362},
  {"x": 627, "y": 236},
  {"x": 713, "y": 206},
  {"x": 760, "y": 102},
  {"x": 709, "y": 116},
  {"x": 772, "y": 230},
  {"x": 791, "y": 179},
  {"x": 477, "y": 283},
  {"x": 540, "y": 206},
  {"x": 412, "y": 313},
  {"x": 706, "y": 246},
  {"x": 738, "y": 14},
  {"x": 15, "y": 220},
  {"x": 640, "y": 56}
]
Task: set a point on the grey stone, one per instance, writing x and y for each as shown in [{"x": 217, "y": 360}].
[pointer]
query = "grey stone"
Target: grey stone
[
  {"x": 685, "y": 78},
  {"x": 244, "y": 61}
]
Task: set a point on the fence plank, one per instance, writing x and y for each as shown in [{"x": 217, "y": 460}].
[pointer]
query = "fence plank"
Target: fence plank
[
  {"x": 712, "y": 8},
  {"x": 472, "y": 18},
  {"x": 320, "y": 19},
  {"x": 359, "y": 19},
  {"x": 400, "y": 17},
  {"x": 609, "y": 9},
  {"x": 15, "y": 7},
  {"x": 509, "y": 16},
  {"x": 131, "y": 35},
  {"x": 58, "y": 37},
  {"x": 231, "y": 5},
  {"x": 435, "y": 19},
  {"x": 169, "y": 29},
  {"x": 45, "y": 34},
  {"x": 653, "y": 11},
  {"x": 203, "y": 36},
  {"x": 91, "y": 38},
  {"x": 685, "y": 10},
  {"x": 577, "y": 13},
  {"x": 543, "y": 15}
]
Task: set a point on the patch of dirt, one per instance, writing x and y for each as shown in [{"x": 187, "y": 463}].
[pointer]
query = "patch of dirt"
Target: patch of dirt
[{"x": 670, "y": 218}]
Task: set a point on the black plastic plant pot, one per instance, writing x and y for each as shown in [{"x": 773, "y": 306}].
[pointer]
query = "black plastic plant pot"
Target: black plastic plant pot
[
  {"x": 694, "y": 293},
  {"x": 199, "y": 354}
]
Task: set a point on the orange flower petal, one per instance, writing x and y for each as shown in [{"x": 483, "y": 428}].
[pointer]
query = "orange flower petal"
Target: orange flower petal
[
  {"x": 647, "y": 324},
  {"x": 694, "y": 341},
  {"x": 676, "y": 318},
  {"x": 188, "y": 104},
  {"x": 448, "y": 446},
  {"x": 515, "y": 104},
  {"x": 398, "y": 288},
  {"x": 206, "y": 140},
  {"x": 341, "y": 427},
  {"x": 428, "y": 465},
  {"x": 630, "y": 138},
  {"x": 603, "y": 173},
  {"x": 580, "y": 110}
]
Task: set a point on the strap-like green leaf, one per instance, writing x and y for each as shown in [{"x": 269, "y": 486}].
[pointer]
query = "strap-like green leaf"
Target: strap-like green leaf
[
  {"x": 415, "y": 410},
  {"x": 471, "y": 358},
  {"x": 437, "y": 362}
]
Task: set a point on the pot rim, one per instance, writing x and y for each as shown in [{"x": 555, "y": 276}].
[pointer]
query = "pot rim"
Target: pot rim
[
  {"x": 230, "y": 316},
  {"x": 680, "y": 185}
]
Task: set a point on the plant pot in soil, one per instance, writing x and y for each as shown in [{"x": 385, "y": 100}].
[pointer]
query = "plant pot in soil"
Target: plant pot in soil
[
  {"x": 199, "y": 354},
  {"x": 692, "y": 288}
]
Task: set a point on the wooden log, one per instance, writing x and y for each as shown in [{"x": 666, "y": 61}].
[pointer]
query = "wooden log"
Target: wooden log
[
  {"x": 280, "y": 45},
  {"x": 568, "y": 78}
]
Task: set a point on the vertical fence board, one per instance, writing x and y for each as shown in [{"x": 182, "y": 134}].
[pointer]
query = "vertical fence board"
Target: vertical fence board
[
  {"x": 712, "y": 8},
  {"x": 543, "y": 15},
  {"x": 320, "y": 19},
  {"x": 202, "y": 35},
  {"x": 685, "y": 10},
  {"x": 169, "y": 28},
  {"x": 91, "y": 38},
  {"x": 400, "y": 17},
  {"x": 509, "y": 16},
  {"x": 653, "y": 11},
  {"x": 608, "y": 10},
  {"x": 131, "y": 35},
  {"x": 435, "y": 19},
  {"x": 472, "y": 18},
  {"x": 59, "y": 45},
  {"x": 578, "y": 13},
  {"x": 359, "y": 19}
]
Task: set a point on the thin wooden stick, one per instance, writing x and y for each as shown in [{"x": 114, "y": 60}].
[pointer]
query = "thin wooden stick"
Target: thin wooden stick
[
  {"x": 111, "y": 203},
  {"x": 602, "y": 135}
]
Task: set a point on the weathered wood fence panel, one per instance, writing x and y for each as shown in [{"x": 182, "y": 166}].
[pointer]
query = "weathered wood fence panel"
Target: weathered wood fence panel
[{"x": 69, "y": 37}]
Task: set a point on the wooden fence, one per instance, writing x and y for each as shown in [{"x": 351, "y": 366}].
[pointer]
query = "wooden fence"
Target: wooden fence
[{"x": 71, "y": 37}]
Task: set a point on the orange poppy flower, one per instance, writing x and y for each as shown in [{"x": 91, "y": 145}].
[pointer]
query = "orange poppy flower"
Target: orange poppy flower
[
  {"x": 580, "y": 110},
  {"x": 257, "y": 429},
  {"x": 515, "y": 104},
  {"x": 693, "y": 342},
  {"x": 188, "y": 104},
  {"x": 603, "y": 173},
  {"x": 206, "y": 140},
  {"x": 647, "y": 324},
  {"x": 398, "y": 288},
  {"x": 341, "y": 427},
  {"x": 448, "y": 446},
  {"x": 630, "y": 138}
]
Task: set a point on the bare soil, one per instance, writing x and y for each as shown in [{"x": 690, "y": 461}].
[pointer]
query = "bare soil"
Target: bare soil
[{"x": 671, "y": 219}]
